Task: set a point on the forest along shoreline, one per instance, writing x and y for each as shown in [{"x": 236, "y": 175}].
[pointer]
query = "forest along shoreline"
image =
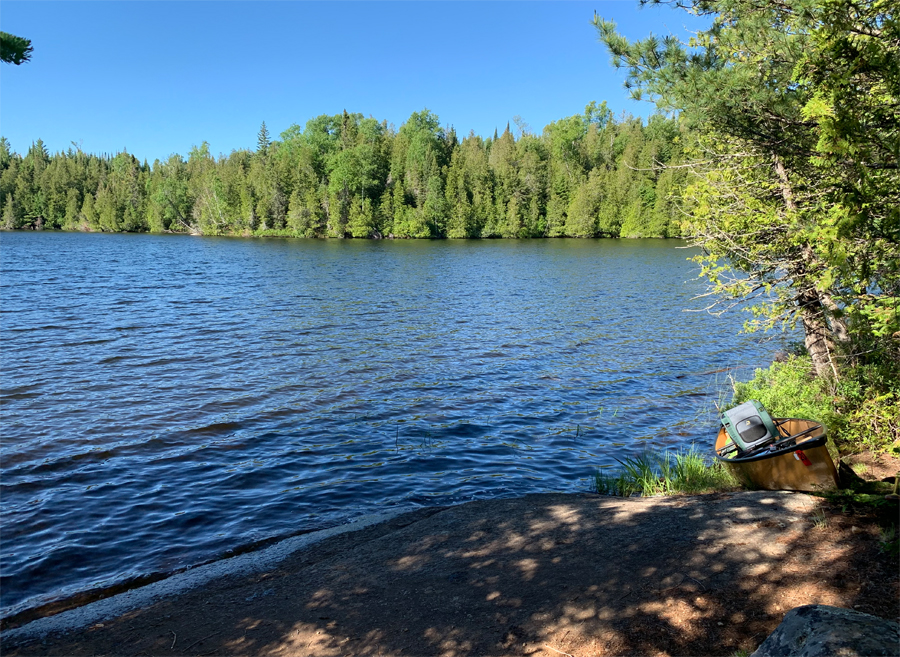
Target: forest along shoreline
[
  {"x": 575, "y": 572},
  {"x": 345, "y": 175}
]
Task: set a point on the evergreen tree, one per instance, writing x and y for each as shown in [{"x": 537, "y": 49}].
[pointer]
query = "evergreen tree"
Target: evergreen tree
[
  {"x": 262, "y": 140},
  {"x": 13, "y": 49},
  {"x": 9, "y": 220},
  {"x": 584, "y": 209},
  {"x": 71, "y": 220},
  {"x": 790, "y": 195},
  {"x": 88, "y": 213},
  {"x": 361, "y": 222}
]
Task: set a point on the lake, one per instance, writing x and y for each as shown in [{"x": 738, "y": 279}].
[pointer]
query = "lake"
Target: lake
[{"x": 168, "y": 399}]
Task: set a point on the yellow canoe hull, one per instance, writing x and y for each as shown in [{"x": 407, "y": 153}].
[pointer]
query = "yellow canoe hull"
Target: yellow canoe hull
[{"x": 804, "y": 466}]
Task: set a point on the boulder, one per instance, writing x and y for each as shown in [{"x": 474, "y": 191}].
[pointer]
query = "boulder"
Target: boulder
[{"x": 823, "y": 631}]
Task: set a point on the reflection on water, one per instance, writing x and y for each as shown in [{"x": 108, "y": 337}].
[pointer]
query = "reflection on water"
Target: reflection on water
[{"x": 168, "y": 398}]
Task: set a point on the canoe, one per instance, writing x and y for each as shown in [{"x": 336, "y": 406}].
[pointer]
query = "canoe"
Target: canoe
[{"x": 797, "y": 460}]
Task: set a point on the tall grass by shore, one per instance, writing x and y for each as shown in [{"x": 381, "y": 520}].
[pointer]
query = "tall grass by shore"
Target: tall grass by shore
[{"x": 655, "y": 473}]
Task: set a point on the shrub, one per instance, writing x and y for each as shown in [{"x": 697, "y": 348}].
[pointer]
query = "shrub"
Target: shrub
[{"x": 862, "y": 411}]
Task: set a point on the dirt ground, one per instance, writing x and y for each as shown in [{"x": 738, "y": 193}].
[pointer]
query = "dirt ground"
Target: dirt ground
[
  {"x": 873, "y": 467},
  {"x": 547, "y": 575}
]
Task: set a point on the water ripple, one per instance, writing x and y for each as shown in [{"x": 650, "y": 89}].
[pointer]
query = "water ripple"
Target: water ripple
[{"x": 166, "y": 399}]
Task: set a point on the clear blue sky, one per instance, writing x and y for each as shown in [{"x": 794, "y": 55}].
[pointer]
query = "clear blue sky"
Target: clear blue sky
[{"x": 156, "y": 78}]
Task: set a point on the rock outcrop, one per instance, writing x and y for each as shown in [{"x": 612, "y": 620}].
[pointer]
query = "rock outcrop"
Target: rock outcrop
[{"x": 823, "y": 631}]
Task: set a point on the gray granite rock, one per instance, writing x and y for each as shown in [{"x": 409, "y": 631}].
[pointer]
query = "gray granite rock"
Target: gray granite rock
[{"x": 823, "y": 631}]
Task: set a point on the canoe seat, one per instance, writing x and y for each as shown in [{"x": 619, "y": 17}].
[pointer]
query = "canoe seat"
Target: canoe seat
[{"x": 750, "y": 426}]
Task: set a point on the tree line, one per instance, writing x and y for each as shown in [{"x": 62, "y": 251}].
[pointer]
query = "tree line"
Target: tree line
[{"x": 346, "y": 175}]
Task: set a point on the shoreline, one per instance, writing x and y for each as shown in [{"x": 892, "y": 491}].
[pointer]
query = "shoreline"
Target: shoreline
[
  {"x": 52, "y": 606},
  {"x": 371, "y": 238},
  {"x": 580, "y": 573},
  {"x": 243, "y": 564}
]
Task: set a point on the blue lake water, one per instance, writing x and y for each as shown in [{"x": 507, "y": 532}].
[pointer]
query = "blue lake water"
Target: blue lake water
[{"x": 166, "y": 398}]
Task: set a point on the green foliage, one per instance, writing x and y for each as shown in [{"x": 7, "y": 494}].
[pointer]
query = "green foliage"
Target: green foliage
[
  {"x": 9, "y": 219},
  {"x": 262, "y": 140},
  {"x": 13, "y": 49},
  {"x": 686, "y": 472},
  {"x": 861, "y": 411},
  {"x": 788, "y": 389},
  {"x": 795, "y": 190},
  {"x": 349, "y": 176},
  {"x": 889, "y": 541}
]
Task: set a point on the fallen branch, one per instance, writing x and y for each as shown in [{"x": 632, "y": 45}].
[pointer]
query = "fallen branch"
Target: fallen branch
[{"x": 201, "y": 640}]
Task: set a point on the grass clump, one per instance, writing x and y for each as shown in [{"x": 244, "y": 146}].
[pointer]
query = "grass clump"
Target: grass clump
[
  {"x": 820, "y": 520},
  {"x": 860, "y": 468},
  {"x": 653, "y": 473}
]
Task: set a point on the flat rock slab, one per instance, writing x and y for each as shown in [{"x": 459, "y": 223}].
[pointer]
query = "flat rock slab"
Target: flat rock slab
[
  {"x": 542, "y": 574},
  {"x": 823, "y": 631}
]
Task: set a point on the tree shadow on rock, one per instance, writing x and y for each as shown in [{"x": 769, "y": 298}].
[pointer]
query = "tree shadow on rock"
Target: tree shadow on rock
[{"x": 543, "y": 574}]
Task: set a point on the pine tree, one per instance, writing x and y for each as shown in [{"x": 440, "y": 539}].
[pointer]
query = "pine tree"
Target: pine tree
[
  {"x": 89, "y": 213},
  {"x": 361, "y": 221},
  {"x": 73, "y": 203},
  {"x": 794, "y": 200},
  {"x": 384, "y": 220},
  {"x": 262, "y": 140},
  {"x": 13, "y": 49},
  {"x": 9, "y": 214}
]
